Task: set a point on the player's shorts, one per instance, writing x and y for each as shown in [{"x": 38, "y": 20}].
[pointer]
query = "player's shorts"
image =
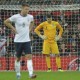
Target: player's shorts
[
  {"x": 50, "y": 48},
  {"x": 22, "y": 47}
]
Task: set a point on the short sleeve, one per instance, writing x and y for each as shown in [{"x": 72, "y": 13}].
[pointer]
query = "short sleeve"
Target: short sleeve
[
  {"x": 12, "y": 18},
  {"x": 32, "y": 19}
]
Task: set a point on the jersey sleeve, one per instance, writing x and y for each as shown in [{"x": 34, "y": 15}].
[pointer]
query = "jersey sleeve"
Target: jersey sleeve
[
  {"x": 38, "y": 28},
  {"x": 60, "y": 29},
  {"x": 12, "y": 18},
  {"x": 32, "y": 18}
]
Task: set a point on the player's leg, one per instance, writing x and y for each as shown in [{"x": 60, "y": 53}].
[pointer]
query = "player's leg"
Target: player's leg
[
  {"x": 27, "y": 50},
  {"x": 48, "y": 63},
  {"x": 55, "y": 50},
  {"x": 58, "y": 62},
  {"x": 17, "y": 68},
  {"x": 18, "y": 48},
  {"x": 46, "y": 52}
]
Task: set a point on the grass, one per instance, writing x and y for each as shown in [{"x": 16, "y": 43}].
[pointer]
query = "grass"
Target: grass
[{"x": 68, "y": 75}]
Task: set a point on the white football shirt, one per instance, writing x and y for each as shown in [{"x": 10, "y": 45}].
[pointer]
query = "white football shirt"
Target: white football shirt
[{"x": 22, "y": 25}]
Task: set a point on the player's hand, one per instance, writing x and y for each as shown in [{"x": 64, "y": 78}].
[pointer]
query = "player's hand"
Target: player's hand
[
  {"x": 14, "y": 31},
  {"x": 43, "y": 37},
  {"x": 57, "y": 38}
]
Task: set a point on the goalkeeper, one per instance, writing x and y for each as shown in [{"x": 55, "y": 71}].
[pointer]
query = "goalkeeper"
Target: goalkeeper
[{"x": 50, "y": 38}]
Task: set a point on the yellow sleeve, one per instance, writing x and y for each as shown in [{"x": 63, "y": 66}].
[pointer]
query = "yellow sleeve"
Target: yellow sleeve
[
  {"x": 60, "y": 29},
  {"x": 38, "y": 28}
]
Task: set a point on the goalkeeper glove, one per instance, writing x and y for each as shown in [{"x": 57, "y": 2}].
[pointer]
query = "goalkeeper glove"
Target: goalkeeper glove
[
  {"x": 57, "y": 38},
  {"x": 43, "y": 37}
]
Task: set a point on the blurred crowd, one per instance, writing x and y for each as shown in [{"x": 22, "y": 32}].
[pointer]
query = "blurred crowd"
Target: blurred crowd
[
  {"x": 70, "y": 21},
  {"x": 39, "y": 2}
]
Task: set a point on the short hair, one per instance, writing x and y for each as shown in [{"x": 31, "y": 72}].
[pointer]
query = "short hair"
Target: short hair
[
  {"x": 25, "y": 4},
  {"x": 49, "y": 16}
]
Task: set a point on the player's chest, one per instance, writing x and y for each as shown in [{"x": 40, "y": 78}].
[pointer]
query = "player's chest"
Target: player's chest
[
  {"x": 50, "y": 27},
  {"x": 23, "y": 21}
]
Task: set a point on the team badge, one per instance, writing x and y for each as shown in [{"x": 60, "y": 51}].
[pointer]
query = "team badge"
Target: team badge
[
  {"x": 52, "y": 25},
  {"x": 23, "y": 24}
]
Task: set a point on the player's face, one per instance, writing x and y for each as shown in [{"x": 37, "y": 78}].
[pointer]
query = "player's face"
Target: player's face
[
  {"x": 25, "y": 10},
  {"x": 49, "y": 20}
]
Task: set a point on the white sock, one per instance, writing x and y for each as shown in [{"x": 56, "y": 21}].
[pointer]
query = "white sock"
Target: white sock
[
  {"x": 17, "y": 67},
  {"x": 30, "y": 67}
]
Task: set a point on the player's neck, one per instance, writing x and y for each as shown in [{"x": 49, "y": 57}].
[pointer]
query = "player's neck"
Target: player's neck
[
  {"x": 22, "y": 14},
  {"x": 49, "y": 22}
]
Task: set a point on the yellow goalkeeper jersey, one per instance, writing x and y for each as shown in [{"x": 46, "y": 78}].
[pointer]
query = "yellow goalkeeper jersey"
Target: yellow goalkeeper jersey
[{"x": 49, "y": 30}]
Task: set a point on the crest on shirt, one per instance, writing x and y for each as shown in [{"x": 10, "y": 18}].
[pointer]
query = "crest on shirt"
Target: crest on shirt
[
  {"x": 23, "y": 24},
  {"x": 53, "y": 25}
]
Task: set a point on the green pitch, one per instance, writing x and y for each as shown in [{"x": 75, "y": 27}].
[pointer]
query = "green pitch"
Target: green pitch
[{"x": 69, "y": 75}]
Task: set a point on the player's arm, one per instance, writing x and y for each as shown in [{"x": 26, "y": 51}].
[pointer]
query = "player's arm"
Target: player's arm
[
  {"x": 8, "y": 24},
  {"x": 0, "y": 29},
  {"x": 37, "y": 31},
  {"x": 60, "y": 31},
  {"x": 31, "y": 29},
  {"x": 31, "y": 26}
]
